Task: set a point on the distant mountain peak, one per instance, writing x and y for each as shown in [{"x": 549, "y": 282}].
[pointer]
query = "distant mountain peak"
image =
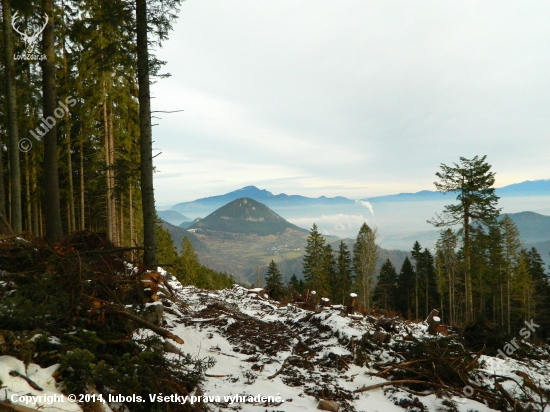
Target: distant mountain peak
[{"x": 247, "y": 216}]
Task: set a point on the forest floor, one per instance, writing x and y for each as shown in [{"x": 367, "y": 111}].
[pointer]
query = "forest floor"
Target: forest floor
[
  {"x": 303, "y": 356},
  {"x": 279, "y": 357}
]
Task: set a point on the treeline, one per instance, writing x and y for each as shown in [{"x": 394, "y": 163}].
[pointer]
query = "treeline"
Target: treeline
[
  {"x": 76, "y": 122},
  {"x": 478, "y": 271},
  {"x": 185, "y": 265}
]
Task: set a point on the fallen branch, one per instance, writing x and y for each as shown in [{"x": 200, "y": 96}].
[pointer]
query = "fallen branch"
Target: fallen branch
[
  {"x": 10, "y": 236},
  {"x": 116, "y": 250},
  {"x": 399, "y": 382},
  {"x": 162, "y": 332},
  {"x": 29, "y": 381},
  {"x": 400, "y": 366},
  {"x": 290, "y": 358}
]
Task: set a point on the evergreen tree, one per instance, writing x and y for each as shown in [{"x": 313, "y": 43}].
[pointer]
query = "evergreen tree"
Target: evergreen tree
[
  {"x": 13, "y": 124},
  {"x": 541, "y": 296},
  {"x": 296, "y": 285},
  {"x": 431, "y": 293},
  {"x": 167, "y": 251},
  {"x": 315, "y": 273},
  {"x": 405, "y": 289},
  {"x": 189, "y": 263},
  {"x": 365, "y": 257},
  {"x": 472, "y": 180},
  {"x": 416, "y": 255},
  {"x": 385, "y": 292},
  {"x": 511, "y": 246},
  {"x": 274, "y": 281},
  {"x": 342, "y": 281},
  {"x": 448, "y": 273},
  {"x": 51, "y": 195}
]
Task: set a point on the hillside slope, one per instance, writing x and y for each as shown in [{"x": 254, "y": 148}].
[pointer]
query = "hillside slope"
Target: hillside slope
[
  {"x": 246, "y": 216},
  {"x": 297, "y": 357}
]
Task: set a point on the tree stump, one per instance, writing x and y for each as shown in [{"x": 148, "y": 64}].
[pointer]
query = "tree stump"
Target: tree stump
[
  {"x": 352, "y": 303},
  {"x": 433, "y": 322}
]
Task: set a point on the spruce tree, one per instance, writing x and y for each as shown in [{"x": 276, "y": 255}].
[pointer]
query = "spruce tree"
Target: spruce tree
[
  {"x": 448, "y": 270},
  {"x": 274, "y": 281},
  {"x": 342, "y": 281},
  {"x": 189, "y": 263},
  {"x": 315, "y": 273},
  {"x": 405, "y": 289},
  {"x": 541, "y": 296},
  {"x": 365, "y": 257},
  {"x": 385, "y": 292},
  {"x": 511, "y": 246},
  {"x": 472, "y": 181}
]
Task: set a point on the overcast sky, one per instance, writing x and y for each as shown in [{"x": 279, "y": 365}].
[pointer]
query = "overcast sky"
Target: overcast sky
[{"x": 350, "y": 98}]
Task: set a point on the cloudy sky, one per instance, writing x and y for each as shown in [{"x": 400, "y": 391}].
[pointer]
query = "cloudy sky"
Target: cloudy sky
[{"x": 348, "y": 97}]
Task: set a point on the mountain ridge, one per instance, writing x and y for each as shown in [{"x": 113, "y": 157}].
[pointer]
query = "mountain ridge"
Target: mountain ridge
[{"x": 208, "y": 204}]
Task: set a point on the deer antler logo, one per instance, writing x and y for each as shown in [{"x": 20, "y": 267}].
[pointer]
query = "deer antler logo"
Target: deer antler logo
[{"x": 28, "y": 37}]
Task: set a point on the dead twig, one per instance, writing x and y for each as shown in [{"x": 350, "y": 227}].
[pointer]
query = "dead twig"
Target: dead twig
[
  {"x": 399, "y": 382},
  {"x": 29, "y": 381},
  {"x": 290, "y": 358},
  {"x": 162, "y": 332}
]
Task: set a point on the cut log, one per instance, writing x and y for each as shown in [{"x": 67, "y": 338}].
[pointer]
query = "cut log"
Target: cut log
[
  {"x": 433, "y": 325},
  {"x": 328, "y": 406}
]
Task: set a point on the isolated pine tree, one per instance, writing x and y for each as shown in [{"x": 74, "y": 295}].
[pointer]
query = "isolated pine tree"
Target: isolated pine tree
[
  {"x": 274, "y": 281},
  {"x": 472, "y": 181}
]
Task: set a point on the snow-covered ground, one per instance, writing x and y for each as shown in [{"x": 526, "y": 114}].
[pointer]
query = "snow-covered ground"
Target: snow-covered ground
[
  {"x": 250, "y": 338},
  {"x": 272, "y": 357}
]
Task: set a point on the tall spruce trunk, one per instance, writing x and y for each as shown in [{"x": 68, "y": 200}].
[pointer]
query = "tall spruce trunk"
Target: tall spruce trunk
[
  {"x": 70, "y": 200},
  {"x": 11, "y": 97},
  {"x": 145, "y": 138},
  {"x": 52, "y": 212},
  {"x": 2, "y": 190},
  {"x": 82, "y": 192},
  {"x": 109, "y": 170}
]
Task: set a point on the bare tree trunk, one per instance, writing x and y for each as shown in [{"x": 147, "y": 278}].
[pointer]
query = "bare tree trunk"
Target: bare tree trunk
[
  {"x": 121, "y": 227},
  {"x": 11, "y": 97},
  {"x": 36, "y": 203},
  {"x": 28, "y": 192},
  {"x": 54, "y": 228},
  {"x": 114, "y": 203},
  {"x": 82, "y": 197},
  {"x": 107, "y": 148},
  {"x": 2, "y": 190},
  {"x": 131, "y": 207},
  {"x": 145, "y": 138}
]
